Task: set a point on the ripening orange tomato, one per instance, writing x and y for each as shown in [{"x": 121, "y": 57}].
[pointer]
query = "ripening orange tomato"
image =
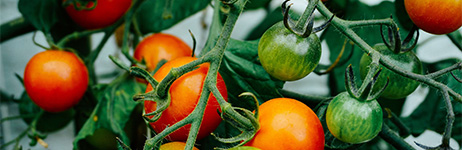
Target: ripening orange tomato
[
  {"x": 55, "y": 80},
  {"x": 435, "y": 16},
  {"x": 160, "y": 46},
  {"x": 287, "y": 124},
  {"x": 185, "y": 92},
  {"x": 174, "y": 146}
]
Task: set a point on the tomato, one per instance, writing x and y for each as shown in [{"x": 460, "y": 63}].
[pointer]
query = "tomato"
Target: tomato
[
  {"x": 106, "y": 13},
  {"x": 185, "y": 93},
  {"x": 398, "y": 86},
  {"x": 286, "y": 56},
  {"x": 160, "y": 46},
  {"x": 55, "y": 80},
  {"x": 287, "y": 124},
  {"x": 437, "y": 17},
  {"x": 174, "y": 146},
  {"x": 353, "y": 121}
]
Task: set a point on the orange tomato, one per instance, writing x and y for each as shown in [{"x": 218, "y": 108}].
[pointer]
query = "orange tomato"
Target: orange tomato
[
  {"x": 185, "y": 93},
  {"x": 174, "y": 146},
  {"x": 160, "y": 46},
  {"x": 287, "y": 124},
  {"x": 435, "y": 16},
  {"x": 55, "y": 80}
]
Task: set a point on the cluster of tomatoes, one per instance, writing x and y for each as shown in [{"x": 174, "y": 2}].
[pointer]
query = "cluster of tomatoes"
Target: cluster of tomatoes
[{"x": 56, "y": 80}]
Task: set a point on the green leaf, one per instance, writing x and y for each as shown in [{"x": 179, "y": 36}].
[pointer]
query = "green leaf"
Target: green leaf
[
  {"x": 113, "y": 110},
  {"x": 243, "y": 72},
  {"x": 371, "y": 34},
  {"x": 157, "y": 15},
  {"x": 431, "y": 113},
  {"x": 43, "y": 14}
]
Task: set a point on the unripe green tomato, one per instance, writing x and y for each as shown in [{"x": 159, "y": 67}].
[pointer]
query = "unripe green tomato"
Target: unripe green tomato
[
  {"x": 353, "y": 121},
  {"x": 287, "y": 56},
  {"x": 398, "y": 86}
]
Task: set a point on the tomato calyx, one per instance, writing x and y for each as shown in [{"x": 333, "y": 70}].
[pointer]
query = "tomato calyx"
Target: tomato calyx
[
  {"x": 242, "y": 119},
  {"x": 305, "y": 29},
  {"x": 364, "y": 93},
  {"x": 81, "y": 4},
  {"x": 394, "y": 40}
]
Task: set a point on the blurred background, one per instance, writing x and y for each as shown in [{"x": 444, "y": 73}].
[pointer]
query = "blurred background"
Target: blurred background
[{"x": 15, "y": 53}]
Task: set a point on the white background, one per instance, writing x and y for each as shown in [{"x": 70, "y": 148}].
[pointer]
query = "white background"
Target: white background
[{"x": 15, "y": 53}]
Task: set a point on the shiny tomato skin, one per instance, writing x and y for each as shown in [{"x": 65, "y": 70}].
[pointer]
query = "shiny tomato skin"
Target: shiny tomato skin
[
  {"x": 175, "y": 146},
  {"x": 353, "y": 121},
  {"x": 287, "y": 124},
  {"x": 106, "y": 13},
  {"x": 160, "y": 46},
  {"x": 55, "y": 80},
  {"x": 398, "y": 86},
  {"x": 285, "y": 55},
  {"x": 185, "y": 93},
  {"x": 435, "y": 16}
]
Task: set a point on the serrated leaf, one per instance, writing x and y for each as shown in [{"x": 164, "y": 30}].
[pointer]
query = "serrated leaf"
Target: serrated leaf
[
  {"x": 431, "y": 113},
  {"x": 157, "y": 15},
  {"x": 42, "y": 14},
  {"x": 115, "y": 105},
  {"x": 243, "y": 72}
]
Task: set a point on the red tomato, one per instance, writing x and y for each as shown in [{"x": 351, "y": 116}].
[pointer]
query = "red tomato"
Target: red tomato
[
  {"x": 287, "y": 124},
  {"x": 160, "y": 46},
  {"x": 435, "y": 16},
  {"x": 174, "y": 146},
  {"x": 104, "y": 14},
  {"x": 55, "y": 80},
  {"x": 185, "y": 93}
]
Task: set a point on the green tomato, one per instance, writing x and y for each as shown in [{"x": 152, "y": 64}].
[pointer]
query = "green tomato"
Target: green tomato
[
  {"x": 353, "y": 121},
  {"x": 285, "y": 55},
  {"x": 398, "y": 86}
]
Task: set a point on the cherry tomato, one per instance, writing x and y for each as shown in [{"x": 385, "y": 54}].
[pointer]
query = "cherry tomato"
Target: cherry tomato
[
  {"x": 106, "y": 13},
  {"x": 160, "y": 46},
  {"x": 55, "y": 80},
  {"x": 398, "y": 86},
  {"x": 289, "y": 125},
  {"x": 185, "y": 93},
  {"x": 353, "y": 121},
  {"x": 437, "y": 17},
  {"x": 174, "y": 146},
  {"x": 286, "y": 56}
]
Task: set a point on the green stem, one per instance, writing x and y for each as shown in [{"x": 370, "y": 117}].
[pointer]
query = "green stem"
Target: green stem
[
  {"x": 391, "y": 137},
  {"x": 301, "y": 23},
  {"x": 344, "y": 27},
  {"x": 14, "y": 28},
  {"x": 441, "y": 72}
]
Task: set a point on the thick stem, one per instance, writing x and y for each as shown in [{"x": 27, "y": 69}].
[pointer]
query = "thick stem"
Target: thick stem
[
  {"x": 449, "y": 119},
  {"x": 301, "y": 23},
  {"x": 441, "y": 72},
  {"x": 14, "y": 28}
]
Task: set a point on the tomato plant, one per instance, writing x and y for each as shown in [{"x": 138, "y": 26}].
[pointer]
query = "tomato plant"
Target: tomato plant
[
  {"x": 436, "y": 17},
  {"x": 55, "y": 80},
  {"x": 352, "y": 120},
  {"x": 105, "y": 13},
  {"x": 184, "y": 94},
  {"x": 285, "y": 55},
  {"x": 156, "y": 47},
  {"x": 398, "y": 86},
  {"x": 287, "y": 124}
]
